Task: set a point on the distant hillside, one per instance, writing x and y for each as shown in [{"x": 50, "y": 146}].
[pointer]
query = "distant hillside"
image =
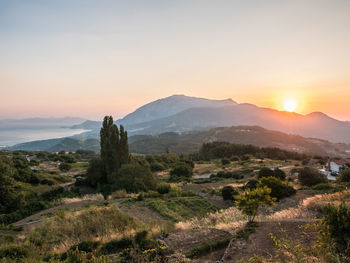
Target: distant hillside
[
  {"x": 180, "y": 113},
  {"x": 32, "y": 123},
  {"x": 191, "y": 142},
  {"x": 315, "y": 125},
  {"x": 169, "y": 106},
  {"x": 57, "y": 145}
]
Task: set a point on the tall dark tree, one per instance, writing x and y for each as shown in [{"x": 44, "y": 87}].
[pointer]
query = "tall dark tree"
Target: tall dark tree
[
  {"x": 124, "y": 146},
  {"x": 109, "y": 140},
  {"x": 114, "y": 148}
]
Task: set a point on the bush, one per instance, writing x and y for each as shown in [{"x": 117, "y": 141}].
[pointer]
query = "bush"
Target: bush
[
  {"x": 228, "y": 193},
  {"x": 163, "y": 188},
  {"x": 14, "y": 252},
  {"x": 86, "y": 246},
  {"x": 156, "y": 167},
  {"x": 337, "y": 220},
  {"x": 278, "y": 188},
  {"x": 234, "y": 159},
  {"x": 344, "y": 175},
  {"x": 181, "y": 171},
  {"x": 280, "y": 174},
  {"x": 64, "y": 167},
  {"x": 134, "y": 178},
  {"x": 251, "y": 184},
  {"x": 225, "y": 161},
  {"x": 322, "y": 187},
  {"x": 265, "y": 172},
  {"x": 310, "y": 176},
  {"x": 115, "y": 246},
  {"x": 250, "y": 201}
]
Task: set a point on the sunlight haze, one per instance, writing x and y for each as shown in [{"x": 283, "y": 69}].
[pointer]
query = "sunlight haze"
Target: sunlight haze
[{"x": 92, "y": 58}]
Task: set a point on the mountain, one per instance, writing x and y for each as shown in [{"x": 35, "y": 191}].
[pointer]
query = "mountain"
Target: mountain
[
  {"x": 315, "y": 125},
  {"x": 39, "y": 123},
  {"x": 191, "y": 142},
  {"x": 57, "y": 145},
  {"x": 255, "y": 135},
  {"x": 169, "y": 106}
]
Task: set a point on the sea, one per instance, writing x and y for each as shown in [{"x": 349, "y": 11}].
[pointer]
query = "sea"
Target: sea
[{"x": 10, "y": 137}]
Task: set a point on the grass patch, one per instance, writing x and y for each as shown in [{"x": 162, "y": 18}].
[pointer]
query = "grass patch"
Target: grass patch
[
  {"x": 181, "y": 208},
  {"x": 95, "y": 223}
]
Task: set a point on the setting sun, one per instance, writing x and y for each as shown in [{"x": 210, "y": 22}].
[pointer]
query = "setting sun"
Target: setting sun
[{"x": 290, "y": 105}]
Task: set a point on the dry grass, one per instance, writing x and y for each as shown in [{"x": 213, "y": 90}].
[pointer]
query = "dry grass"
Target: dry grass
[
  {"x": 226, "y": 219},
  {"x": 309, "y": 206},
  {"x": 65, "y": 229},
  {"x": 90, "y": 197}
]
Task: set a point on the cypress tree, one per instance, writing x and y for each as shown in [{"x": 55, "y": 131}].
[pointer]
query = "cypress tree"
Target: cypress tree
[{"x": 114, "y": 147}]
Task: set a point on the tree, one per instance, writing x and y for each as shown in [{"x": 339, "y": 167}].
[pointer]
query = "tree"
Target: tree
[
  {"x": 344, "y": 175},
  {"x": 134, "y": 178},
  {"x": 265, "y": 172},
  {"x": 114, "y": 147},
  {"x": 278, "y": 173},
  {"x": 181, "y": 171},
  {"x": 228, "y": 192},
  {"x": 109, "y": 142},
  {"x": 10, "y": 195},
  {"x": 250, "y": 201},
  {"x": 64, "y": 167},
  {"x": 278, "y": 188},
  {"x": 95, "y": 173},
  {"x": 251, "y": 184},
  {"x": 310, "y": 176},
  {"x": 337, "y": 220}
]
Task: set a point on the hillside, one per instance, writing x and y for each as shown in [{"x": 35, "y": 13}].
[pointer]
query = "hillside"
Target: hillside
[
  {"x": 316, "y": 125},
  {"x": 191, "y": 142},
  {"x": 169, "y": 106}
]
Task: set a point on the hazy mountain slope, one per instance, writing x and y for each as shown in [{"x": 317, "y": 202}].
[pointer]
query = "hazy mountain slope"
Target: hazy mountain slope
[
  {"x": 56, "y": 145},
  {"x": 191, "y": 142},
  {"x": 169, "y": 106},
  {"x": 39, "y": 123},
  {"x": 316, "y": 125}
]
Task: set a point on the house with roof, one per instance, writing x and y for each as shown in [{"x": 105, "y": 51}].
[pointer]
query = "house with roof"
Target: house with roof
[{"x": 335, "y": 166}]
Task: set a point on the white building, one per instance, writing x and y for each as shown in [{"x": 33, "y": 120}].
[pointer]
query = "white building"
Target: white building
[{"x": 334, "y": 166}]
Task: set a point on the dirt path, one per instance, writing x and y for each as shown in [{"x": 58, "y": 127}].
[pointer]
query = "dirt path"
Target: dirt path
[{"x": 261, "y": 243}]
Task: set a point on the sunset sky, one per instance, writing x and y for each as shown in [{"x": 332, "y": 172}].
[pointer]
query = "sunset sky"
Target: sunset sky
[{"x": 91, "y": 58}]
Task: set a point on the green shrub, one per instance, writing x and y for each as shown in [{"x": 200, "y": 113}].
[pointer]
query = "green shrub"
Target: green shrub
[
  {"x": 134, "y": 178},
  {"x": 228, "y": 193},
  {"x": 344, "y": 175},
  {"x": 65, "y": 167},
  {"x": 337, "y": 220},
  {"x": 225, "y": 161},
  {"x": 322, "y": 187},
  {"x": 140, "y": 197},
  {"x": 86, "y": 246},
  {"x": 115, "y": 246},
  {"x": 310, "y": 176},
  {"x": 163, "y": 188},
  {"x": 265, "y": 172},
  {"x": 181, "y": 171},
  {"x": 278, "y": 188},
  {"x": 280, "y": 174},
  {"x": 251, "y": 184},
  {"x": 13, "y": 252}
]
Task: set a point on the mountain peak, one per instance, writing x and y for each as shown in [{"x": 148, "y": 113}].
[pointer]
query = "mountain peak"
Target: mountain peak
[{"x": 171, "y": 105}]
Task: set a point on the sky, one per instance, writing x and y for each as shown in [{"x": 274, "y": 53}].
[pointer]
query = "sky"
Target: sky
[{"x": 94, "y": 58}]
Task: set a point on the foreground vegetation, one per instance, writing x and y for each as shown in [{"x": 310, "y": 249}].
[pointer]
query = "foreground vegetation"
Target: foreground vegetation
[{"x": 171, "y": 208}]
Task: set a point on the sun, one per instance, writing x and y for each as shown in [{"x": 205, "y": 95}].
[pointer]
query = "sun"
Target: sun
[{"x": 290, "y": 104}]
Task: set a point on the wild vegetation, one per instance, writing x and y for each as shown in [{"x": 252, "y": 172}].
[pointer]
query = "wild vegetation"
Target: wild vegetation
[{"x": 210, "y": 205}]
